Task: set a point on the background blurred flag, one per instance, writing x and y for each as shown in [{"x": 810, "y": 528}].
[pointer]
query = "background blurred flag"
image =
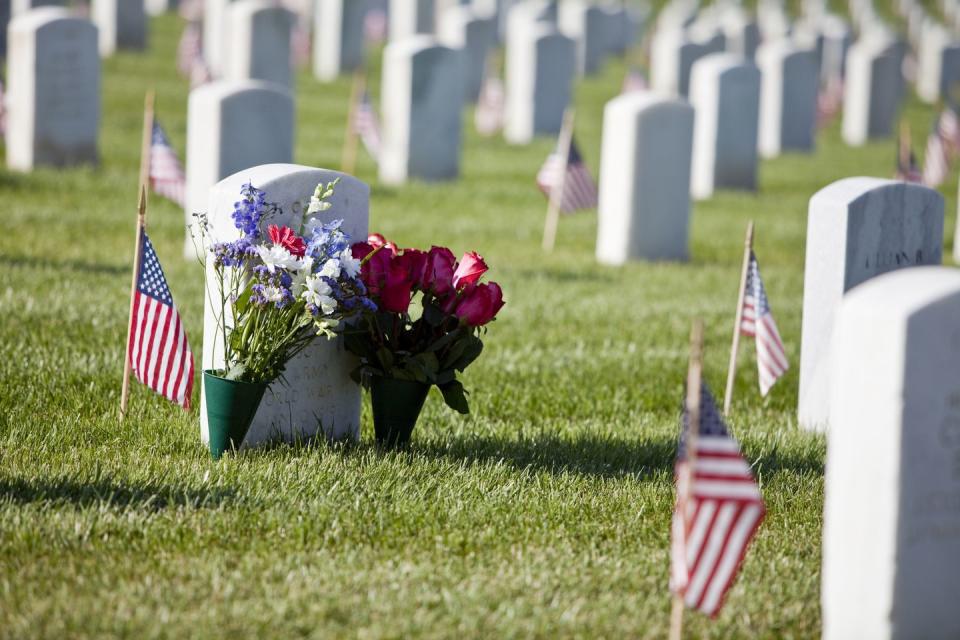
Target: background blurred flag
[
  {"x": 488, "y": 116},
  {"x": 166, "y": 173},
  {"x": 375, "y": 26},
  {"x": 634, "y": 80},
  {"x": 579, "y": 189},
  {"x": 190, "y": 49},
  {"x": 718, "y": 511},
  {"x": 829, "y": 101},
  {"x": 367, "y": 125},
  {"x": 159, "y": 354},
  {"x": 300, "y": 45},
  {"x": 757, "y": 322},
  {"x": 907, "y": 169}
]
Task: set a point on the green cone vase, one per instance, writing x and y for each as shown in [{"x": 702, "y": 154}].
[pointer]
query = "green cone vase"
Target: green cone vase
[
  {"x": 396, "y": 407},
  {"x": 231, "y": 405}
]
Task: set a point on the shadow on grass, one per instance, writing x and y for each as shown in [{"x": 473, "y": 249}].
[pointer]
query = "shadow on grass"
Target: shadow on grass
[
  {"x": 597, "y": 455},
  {"x": 31, "y": 262},
  {"x": 104, "y": 491}
]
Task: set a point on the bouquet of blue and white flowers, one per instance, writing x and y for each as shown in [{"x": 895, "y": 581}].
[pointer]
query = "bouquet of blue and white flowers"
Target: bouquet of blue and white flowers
[{"x": 280, "y": 289}]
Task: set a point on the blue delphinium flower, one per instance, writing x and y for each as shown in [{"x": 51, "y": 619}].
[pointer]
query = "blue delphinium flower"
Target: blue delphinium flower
[{"x": 249, "y": 210}]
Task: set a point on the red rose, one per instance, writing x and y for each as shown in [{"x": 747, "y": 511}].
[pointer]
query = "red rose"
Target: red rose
[
  {"x": 361, "y": 250},
  {"x": 395, "y": 293},
  {"x": 470, "y": 269},
  {"x": 438, "y": 271},
  {"x": 376, "y": 240},
  {"x": 286, "y": 238},
  {"x": 375, "y": 270},
  {"x": 391, "y": 247},
  {"x": 480, "y": 304},
  {"x": 415, "y": 261}
]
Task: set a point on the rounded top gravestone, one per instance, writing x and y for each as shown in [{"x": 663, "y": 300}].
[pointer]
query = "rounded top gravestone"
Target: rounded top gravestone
[
  {"x": 857, "y": 228},
  {"x": 891, "y": 549},
  {"x": 317, "y": 396}
]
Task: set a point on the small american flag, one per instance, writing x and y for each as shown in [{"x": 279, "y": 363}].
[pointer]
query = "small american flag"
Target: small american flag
[
  {"x": 715, "y": 519},
  {"x": 166, "y": 173},
  {"x": 907, "y": 169},
  {"x": 942, "y": 146},
  {"x": 190, "y": 49},
  {"x": 829, "y": 101},
  {"x": 757, "y": 322},
  {"x": 299, "y": 45},
  {"x": 488, "y": 116},
  {"x": 3, "y": 110},
  {"x": 579, "y": 189},
  {"x": 366, "y": 125},
  {"x": 634, "y": 80},
  {"x": 375, "y": 26},
  {"x": 158, "y": 351}
]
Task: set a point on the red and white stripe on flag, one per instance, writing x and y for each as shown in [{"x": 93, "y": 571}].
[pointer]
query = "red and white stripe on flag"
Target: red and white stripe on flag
[
  {"x": 158, "y": 350},
  {"x": 713, "y": 527},
  {"x": 167, "y": 177},
  {"x": 579, "y": 189},
  {"x": 757, "y": 322}
]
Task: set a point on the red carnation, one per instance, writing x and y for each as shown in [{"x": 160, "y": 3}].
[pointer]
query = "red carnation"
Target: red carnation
[{"x": 286, "y": 238}]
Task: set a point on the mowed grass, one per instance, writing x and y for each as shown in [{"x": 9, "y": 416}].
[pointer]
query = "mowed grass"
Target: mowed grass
[{"x": 545, "y": 513}]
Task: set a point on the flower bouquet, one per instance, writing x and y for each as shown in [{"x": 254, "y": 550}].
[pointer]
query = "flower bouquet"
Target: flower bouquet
[
  {"x": 273, "y": 293},
  {"x": 430, "y": 310}
]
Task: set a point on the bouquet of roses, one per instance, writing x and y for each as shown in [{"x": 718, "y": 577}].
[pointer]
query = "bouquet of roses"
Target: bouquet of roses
[
  {"x": 430, "y": 310},
  {"x": 280, "y": 289}
]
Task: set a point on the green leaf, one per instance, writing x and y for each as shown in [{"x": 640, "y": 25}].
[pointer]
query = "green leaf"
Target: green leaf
[
  {"x": 455, "y": 396},
  {"x": 473, "y": 347},
  {"x": 432, "y": 315},
  {"x": 385, "y": 357}
]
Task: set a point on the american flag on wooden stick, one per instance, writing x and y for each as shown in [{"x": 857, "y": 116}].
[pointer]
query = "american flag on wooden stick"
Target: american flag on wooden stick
[
  {"x": 757, "y": 322},
  {"x": 488, "y": 116},
  {"x": 634, "y": 80},
  {"x": 907, "y": 169},
  {"x": 190, "y": 49},
  {"x": 166, "y": 173},
  {"x": 579, "y": 189},
  {"x": 367, "y": 125},
  {"x": 714, "y": 524},
  {"x": 829, "y": 101},
  {"x": 158, "y": 351},
  {"x": 942, "y": 146}
]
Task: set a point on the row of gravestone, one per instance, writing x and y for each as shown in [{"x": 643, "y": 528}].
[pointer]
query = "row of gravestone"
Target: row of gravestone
[{"x": 881, "y": 349}]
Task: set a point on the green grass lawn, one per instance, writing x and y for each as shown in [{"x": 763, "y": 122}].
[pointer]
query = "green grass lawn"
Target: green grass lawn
[{"x": 544, "y": 513}]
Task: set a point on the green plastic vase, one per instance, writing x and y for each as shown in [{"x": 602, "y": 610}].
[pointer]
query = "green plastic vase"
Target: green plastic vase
[
  {"x": 231, "y": 405},
  {"x": 396, "y": 407}
]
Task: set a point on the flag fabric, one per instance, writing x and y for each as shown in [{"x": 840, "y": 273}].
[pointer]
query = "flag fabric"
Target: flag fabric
[
  {"x": 489, "y": 114},
  {"x": 579, "y": 189},
  {"x": 716, "y": 517},
  {"x": 757, "y": 322},
  {"x": 190, "y": 49},
  {"x": 375, "y": 26},
  {"x": 3, "y": 110},
  {"x": 943, "y": 143},
  {"x": 634, "y": 80},
  {"x": 158, "y": 351},
  {"x": 829, "y": 101},
  {"x": 367, "y": 125},
  {"x": 166, "y": 173},
  {"x": 299, "y": 45},
  {"x": 907, "y": 169}
]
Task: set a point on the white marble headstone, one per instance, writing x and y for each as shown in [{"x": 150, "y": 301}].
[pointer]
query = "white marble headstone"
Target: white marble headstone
[
  {"x": 18, "y": 7},
  {"x": 337, "y": 37},
  {"x": 587, "y": 25},
  {"x": 232, "y": 126},
  {"x": 871, "y": 91},
  {"x": 891, "y": 522},
  {"x": 857, "y": 228},
  {"x": 462, "y": 28},
  {"x": 422, "y": 100},
  {"x": 411, "y": 17},
  {"x": 725, "y": 94},
  {"x": 258, "y": 42},
  {"x": 539, "y": 80},
  {"x": 788, "y": 98},
  {"x": 644, "y": 207},
  {"x": 53, "y": 90},
  {"x": 319, "y": 396},
  {"x": 214, "y": 34},
  {"x": 122, "y": 24},
  {"x": 938, "y": 63},
  {"x": 673, "y": 54}
]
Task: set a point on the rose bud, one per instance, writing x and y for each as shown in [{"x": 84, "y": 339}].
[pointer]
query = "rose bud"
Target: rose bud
[
  {"x": 376, "y": 240},
  {"x": 438, "y": 272},
  {"x": 361, "y": 250},
  {"x": 480, "y": 304},
  {"x": 415, "y": 262},
  {"x": 470, "y": 269},
  {"x": 395, "y": 294}
]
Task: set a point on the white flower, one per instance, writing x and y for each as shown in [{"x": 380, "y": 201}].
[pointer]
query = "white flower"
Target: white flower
[
  {"x": 274, "y": 256},
  {"x": 301, "y": 275},
  {"x": 317, "y": 293},
  {"x": 331, "y": 269},
  {"x": 349, "y": 264},
  {"x": 316, "y": 204},
  {"x": 272, "y": 294}
]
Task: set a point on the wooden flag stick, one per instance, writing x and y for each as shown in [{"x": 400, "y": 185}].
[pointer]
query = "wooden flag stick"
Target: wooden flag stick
[
  {"x": 146, "y": 141},
  {"x": 556, "y": 193},
  {"x": 137, "y": 259},
  {"x": 738, "y": 319},
  {"x": 348, "y": 159},
  {"x": 685, "y": 483}
]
